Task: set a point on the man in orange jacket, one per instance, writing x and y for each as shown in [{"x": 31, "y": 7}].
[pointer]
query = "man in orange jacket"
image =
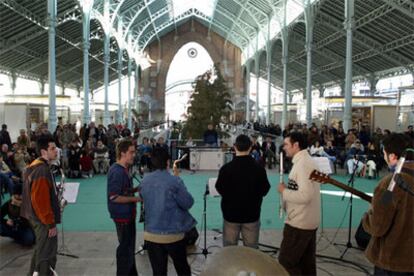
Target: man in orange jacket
[{"x": 40, "y": 206}]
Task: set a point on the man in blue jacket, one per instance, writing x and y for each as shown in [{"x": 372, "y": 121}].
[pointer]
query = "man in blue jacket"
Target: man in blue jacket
[
  {"x": 122, "y": 207},
  {"x": 167, "y": 217}
]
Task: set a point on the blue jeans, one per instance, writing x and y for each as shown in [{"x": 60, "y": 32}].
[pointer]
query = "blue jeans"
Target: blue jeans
[
  {"x": 22, "y": 235},
  {"x": 249, "y": 232}
]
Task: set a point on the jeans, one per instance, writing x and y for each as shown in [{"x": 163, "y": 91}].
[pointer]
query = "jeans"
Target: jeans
[
  {"x": 249, "y": 232},
  {"x": 382, "y": 272},
  {"x": 125, "y": 252},
  {"x": 158, "y": 255},
  {"x": 22, "y": 235}
]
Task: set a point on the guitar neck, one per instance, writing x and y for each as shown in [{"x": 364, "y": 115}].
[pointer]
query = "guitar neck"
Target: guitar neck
[{"x": 353, "y": 191}]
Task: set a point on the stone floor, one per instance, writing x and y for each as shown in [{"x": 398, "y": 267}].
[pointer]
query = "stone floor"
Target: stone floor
[{"x": 96, "y": 251}]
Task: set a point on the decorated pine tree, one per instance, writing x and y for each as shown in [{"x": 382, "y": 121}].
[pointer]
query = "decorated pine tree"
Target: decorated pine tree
[{"x": 209, "y": 103}]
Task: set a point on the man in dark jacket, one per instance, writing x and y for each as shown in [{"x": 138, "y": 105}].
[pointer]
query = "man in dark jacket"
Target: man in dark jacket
[
  {"x": 210, "y": 136},
  {"x": 390, "y": 218},
  {"x": 5, "y": 136},
  {"x": 122, "y": 207},
  {"x": 242, "y": 183}
]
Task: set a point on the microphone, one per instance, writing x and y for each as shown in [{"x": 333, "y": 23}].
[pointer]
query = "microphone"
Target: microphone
[{"x": 387, "y": 197}]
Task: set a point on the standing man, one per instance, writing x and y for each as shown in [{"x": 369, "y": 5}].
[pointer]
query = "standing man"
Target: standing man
[
  {"x": 122, "y": 207},
  {"x": 302, "y": 205},
  {"x": 390, "y": 220},
  {"x": 41, "y": 207},
  {"x": 242, "y": 184},
  {"x": 167, "y": 218}
]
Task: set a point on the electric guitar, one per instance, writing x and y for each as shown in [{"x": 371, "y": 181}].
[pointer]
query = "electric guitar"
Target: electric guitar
[{"x": 324, "y": 178}]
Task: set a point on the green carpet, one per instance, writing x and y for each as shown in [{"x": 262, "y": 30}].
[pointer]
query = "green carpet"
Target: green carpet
[{"x": 90, "y": 213}]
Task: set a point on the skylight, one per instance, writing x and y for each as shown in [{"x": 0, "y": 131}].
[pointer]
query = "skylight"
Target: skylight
[
  {"x": 181, "y": 6},
  {"x": 293, "y": 11}
]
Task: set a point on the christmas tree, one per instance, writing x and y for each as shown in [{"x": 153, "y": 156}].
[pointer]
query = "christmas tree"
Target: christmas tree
[{"x": 209, "y": 103}]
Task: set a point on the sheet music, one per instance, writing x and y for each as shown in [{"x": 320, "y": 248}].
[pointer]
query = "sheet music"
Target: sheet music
[
  {"x": 323, "y": 164},
  {"x": 212, "y": 187},
  {"x": 71, "y": 191}
]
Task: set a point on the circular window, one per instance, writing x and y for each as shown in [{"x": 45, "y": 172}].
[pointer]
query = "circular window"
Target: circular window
[{"x": 192, "y": 52}]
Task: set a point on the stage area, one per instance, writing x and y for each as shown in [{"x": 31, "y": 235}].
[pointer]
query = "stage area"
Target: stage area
[
  {"x": 90, "y": 212},
  {"x": 90, "y": 233}
]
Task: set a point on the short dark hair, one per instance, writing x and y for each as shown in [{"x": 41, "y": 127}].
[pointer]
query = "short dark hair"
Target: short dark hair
[
  {"x": 243, "y": 143},
  {"x": 397, "y": 143},
  {"x": 159, "y": 158},
  {"x": 42, "y": 142},
  {"x": 122, "y": 147},
  {"x": 298, "y": 137}
]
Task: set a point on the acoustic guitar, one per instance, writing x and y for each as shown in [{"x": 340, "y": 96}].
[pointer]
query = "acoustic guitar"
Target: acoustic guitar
[{"x": 324, "y": 178}]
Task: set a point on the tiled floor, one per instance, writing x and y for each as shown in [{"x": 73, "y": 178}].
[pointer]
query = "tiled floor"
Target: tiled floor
[{"x": 96, "y": 251}]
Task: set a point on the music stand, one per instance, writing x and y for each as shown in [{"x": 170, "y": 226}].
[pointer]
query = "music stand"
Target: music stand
[
  {"x": 70, "y": 194},
  {"x": 324, "y": 166},
  {"x": 351, "y": 180},
  {"x": 210, "y": 190}
]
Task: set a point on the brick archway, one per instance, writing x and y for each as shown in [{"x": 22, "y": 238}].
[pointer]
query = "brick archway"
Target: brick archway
[{"x": 154, "y": 78}]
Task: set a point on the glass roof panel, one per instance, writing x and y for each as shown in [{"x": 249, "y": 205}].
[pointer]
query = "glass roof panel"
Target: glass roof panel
[{"x": 205, "y": 6}]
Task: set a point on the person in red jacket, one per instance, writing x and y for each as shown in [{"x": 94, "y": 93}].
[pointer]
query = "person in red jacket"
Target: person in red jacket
[{"x": 40, "y": 206}]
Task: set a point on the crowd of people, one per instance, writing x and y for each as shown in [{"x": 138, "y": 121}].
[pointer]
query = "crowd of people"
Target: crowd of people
[{"x": 30, "y": 216}]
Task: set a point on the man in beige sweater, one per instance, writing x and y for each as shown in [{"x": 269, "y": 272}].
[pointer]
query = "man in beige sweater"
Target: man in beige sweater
[{"x": 301, "y": 198}]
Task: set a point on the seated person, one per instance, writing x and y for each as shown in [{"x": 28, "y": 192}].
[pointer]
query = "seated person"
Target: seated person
[
  {"x": 355, "y": 157},
  {"x": 330, "y": 149},
  {"x": 269, "y": 152},
  {"x": 371, "y": 160},
  {"x": 101, "y": 158},
  {"x": 5, "y": 177},
  {"x": 85, "y": 163},
  {"x": 15, "y": 226},
  {"x": 21, "y": 157},
  {"x": 256, "y": 150},
  {"x": 145, "y": 150},
  {"x": 316, "y": 149}
]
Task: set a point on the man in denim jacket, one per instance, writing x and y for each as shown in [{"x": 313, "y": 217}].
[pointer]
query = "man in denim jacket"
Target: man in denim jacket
[{"x": 167, "y": 218}]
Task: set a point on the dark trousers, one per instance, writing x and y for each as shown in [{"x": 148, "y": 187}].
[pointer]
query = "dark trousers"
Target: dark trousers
[
  {"x": 125, "y": 252},
  {"x": 22, "y": 235},
  {"x": 297, "y": 251},
  {"x": 158, "y": 255},
  {"x": 382, "y": 272},
  {"x": 44, "y": 254}
]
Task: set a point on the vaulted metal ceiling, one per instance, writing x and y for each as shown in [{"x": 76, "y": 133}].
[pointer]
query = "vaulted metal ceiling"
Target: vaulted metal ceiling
[{"x": 383, "y": 38}]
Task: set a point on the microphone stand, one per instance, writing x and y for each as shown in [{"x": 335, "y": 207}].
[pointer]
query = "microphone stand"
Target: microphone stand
[
  {"x": 204, "y": 250},
  {"x": 349, "y": 245},
  {"x": 141, "y": 248}
]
